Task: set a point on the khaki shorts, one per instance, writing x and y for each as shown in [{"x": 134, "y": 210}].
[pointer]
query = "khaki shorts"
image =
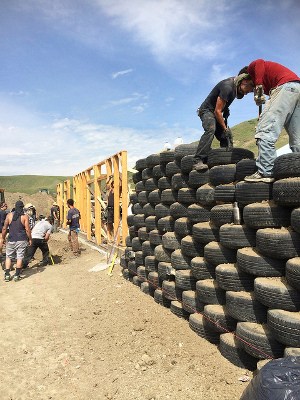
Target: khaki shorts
[{"x": 16, "y": 249}]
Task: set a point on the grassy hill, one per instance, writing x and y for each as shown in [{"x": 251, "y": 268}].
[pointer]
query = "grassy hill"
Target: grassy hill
[
  {"x": 31, "y": 183},
  {"x": 243, "y": 137}
]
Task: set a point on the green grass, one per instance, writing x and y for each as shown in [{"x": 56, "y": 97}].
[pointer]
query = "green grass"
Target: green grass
[{"x": 31, "y": 184}]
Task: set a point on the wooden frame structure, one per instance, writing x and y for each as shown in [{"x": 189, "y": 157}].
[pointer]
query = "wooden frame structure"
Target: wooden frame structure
[{"x": 89, "y": 189}]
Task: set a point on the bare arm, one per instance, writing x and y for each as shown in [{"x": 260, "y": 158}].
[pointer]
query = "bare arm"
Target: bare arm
[
  {"x": 27, "y": 227},
  {"x": 5, "y": 226},
  {"x": 220, "y": 105}
]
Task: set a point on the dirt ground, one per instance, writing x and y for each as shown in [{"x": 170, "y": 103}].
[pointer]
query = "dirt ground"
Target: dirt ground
[{"x": 68, "y": 333}]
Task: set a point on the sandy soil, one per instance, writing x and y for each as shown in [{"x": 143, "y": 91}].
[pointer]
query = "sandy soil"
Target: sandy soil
[{"x": 70, "y": 334}]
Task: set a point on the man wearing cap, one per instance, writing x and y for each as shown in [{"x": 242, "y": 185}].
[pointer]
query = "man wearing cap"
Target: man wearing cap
[
  {"x": 54, "y": 212},
  {"x": 30, "y": 210},
  {"x": 19, "y": 236},
  {"x": 214, "y": 112},
  {"x": 40, "y": 236},
  {"x": 282, "y": 110}
]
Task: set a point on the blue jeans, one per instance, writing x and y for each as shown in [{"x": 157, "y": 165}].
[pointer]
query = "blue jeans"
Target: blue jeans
[{"x": 282, "y": 110}]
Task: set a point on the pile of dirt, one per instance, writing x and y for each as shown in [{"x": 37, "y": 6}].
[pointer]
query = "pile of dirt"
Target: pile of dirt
[
  {"x": 72, "y": 334},
  {"x": 42, "y": 201}
]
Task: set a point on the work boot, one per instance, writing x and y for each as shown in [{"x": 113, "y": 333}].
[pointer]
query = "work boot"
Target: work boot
[
  {"x": 7, "y": 277},
  {"x": 258, "y": 177},
  {"x": 200, "y": 166},
  {"x": 17, "y": 278}
]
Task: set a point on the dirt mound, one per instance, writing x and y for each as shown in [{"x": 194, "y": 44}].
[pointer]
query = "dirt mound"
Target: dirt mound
[{"x": 41, "y": 201}]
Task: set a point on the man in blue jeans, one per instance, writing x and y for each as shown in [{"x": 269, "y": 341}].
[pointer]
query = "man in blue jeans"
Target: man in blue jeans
[
  {"x": 73, "y": 218},
  {"x": 282, "y": 110}
]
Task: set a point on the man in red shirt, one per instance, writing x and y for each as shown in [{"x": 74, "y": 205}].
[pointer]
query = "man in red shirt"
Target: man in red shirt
[{"x": 282, "y": 110}]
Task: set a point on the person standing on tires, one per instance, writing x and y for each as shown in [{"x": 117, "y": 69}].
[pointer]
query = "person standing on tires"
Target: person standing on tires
[
  {"x": 214, "y": 112},
  {"x": 73, "y": 218},
  {"x": 282, "y": 110}
]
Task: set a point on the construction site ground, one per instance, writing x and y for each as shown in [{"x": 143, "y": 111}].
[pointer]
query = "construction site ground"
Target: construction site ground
[{"x": 68, "y": 333}]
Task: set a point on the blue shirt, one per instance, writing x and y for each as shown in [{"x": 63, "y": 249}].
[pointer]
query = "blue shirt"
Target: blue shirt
[{"x": 74, "y": 217}]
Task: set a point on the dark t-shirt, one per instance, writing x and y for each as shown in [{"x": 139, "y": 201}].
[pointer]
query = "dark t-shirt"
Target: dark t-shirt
[
  {"x": 2, "y": 218},
  {"x": 74, "y": 217},
  {"x": 224, "y": 89},
  {"x": 54, "y": 210}
]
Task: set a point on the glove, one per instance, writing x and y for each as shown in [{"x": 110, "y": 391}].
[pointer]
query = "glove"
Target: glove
[
  {"x": 229, "y": 137},
  {"x": 259, "y": 96}
]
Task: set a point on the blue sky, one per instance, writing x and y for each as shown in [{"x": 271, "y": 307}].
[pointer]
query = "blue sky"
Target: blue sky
[{"x": 81, "y": 80}]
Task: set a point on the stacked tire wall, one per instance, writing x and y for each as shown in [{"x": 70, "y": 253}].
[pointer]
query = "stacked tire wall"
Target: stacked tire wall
[{"x": 238, "y": 285}]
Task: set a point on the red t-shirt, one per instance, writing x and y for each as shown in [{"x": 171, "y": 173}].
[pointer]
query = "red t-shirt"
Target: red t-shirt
[{"x": 270, "y": 74}]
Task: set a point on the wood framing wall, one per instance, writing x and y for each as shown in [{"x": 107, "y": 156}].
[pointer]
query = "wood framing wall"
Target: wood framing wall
[{"x": 89, "y": 194}]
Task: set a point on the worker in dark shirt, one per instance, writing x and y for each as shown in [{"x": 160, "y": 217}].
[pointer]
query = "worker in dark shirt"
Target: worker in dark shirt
[{"x": 73, "y": 218}]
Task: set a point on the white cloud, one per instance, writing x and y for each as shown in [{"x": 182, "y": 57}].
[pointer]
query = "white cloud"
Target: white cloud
[{"x": 120, "y": 73}]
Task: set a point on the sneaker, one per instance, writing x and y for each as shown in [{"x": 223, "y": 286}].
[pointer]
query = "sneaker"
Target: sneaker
[
  {"x": 7, "y": 278},
  {"x": 200, "y": 166},
  {"x": 17, "y": 278},
  {"x": 258, "y": 177}
]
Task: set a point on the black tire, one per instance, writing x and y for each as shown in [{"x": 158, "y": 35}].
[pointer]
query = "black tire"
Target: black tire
[
  {"x": 295, "y": 219},
  {"x": 278, "y": 243},
  {"x": 171, "y": 241},
  {"x": 136, "y": 244},
  {"x": 205, "y": 232},
  {"x": 141, "y": 273},
  {"x": 179, "y": 181},
  {"x": 136, "y": 281},
  {"x": 258, "y": 341},
  {"x": 137, "y": 176},
  {"x": 245, "y": 168},
  {"x": 187, "y": 195},
  {"x": 286, "y": 192},
  {"x": 237, "y": 236},
  {"x": 254, "y": 263},
  {"x": 197, "y": 213},
  {"x": 150, "y": 184},
  {"x": 141, "y": 164},
  {"x": 209, "y": 292},
  {"x": 277, "y": 293},
  {"x": 191, "y": 248},
  {"x": 222, "y": 174},
  {"x": 183, "y": 227},
  {"x": 249, "y": 192},
  {"x": 221, "y": 156},
  {"x": 178, "y": 210},
  {"x": 147, "y": 289},
  {"x": 133, "y": 198},
  {"x": 215, "y": 253},
  {"x": 159, "y": 298},
  {"x": 140, "y": 187},
  {"x": 179, "y": 261},
  {"x": 218, "y": 319},
  {"x": 139, "y": 221},
  {"x": 162, "y": 254},
  {"x": 292, "y": 272},
  {"x": 172, "y": 168},
  {"x": 143, "y": 234},
  {"x": 224, "y": 193},
  {"x": 198, "y": 324},
  {"x": 132, "y": 267},
  {"x": 285, "y": 326},
  {"x": 205, "y": 195},
  {"x": 152, "y": 160},
  {"x": 198, "y": 178},
  {"x": 185, "y": 280},
  {"x": 150, "y": 263},
  {"x": 130, "y": 221},
  {"x": 143, "y": 198},
  {"x": 230, "y": 277},
  {"x": 229, "y": 349},
  {"x": 243, "y": 306},
  {"x": 148, "y": 210},
  {"x": 151, "y": 223},
  {"x": 166, "y": 156},
  {"x": 187, "y": 163},
  {"x": 132, "y": 231},
  {"x": 158, "y": 171},
  {"x": 139, "y": 258},
  {"x": 287, "y": 166},
  {"x": 169, "y": 196},
  {"x": 221, "y": 214},
  {"x": 170, "y": 291},
  {"x": 190, "y": 302},
  {"x": 266, "y": 215},
  {"x": 155, "y": 237},
  {"x": 166, "y": 224},
  {"x": 137, "y": 209},
  {"x": 163, "y": 268},
  {"x": 185, "y": 150},
  {"x": 147, "y": 173},
  {"x": 147, "y": 248},
  {"x": 154, "y": 197},
  {"x": 201, "y": 269},
  {"x": 153, "y": 279},
  {"x": 164, "y": 183},
  {"x": 162, "y": 210},
  {"x": 177, "y": 309}
]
